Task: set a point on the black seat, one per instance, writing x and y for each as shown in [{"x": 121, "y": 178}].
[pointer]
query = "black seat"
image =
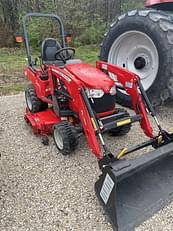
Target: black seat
[{"x": 48, "y": 50}]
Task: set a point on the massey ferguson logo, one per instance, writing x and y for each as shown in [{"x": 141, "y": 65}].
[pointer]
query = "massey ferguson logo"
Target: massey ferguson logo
[{"x": 62, "y": 75}]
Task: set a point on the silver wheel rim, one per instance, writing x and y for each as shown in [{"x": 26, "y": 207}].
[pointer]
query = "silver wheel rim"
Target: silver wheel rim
[
  {"x": 58, "y": 139},
  {"x": 28, "y": 101},
  {"x": 136, "y": 52}
]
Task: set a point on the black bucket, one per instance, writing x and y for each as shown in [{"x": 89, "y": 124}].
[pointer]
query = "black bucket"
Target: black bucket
[{"x": 131, "y": 191}]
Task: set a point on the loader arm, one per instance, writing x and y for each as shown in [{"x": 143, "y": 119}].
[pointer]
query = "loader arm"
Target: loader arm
[
  {"x": 77, "y": 105},
  {"x": 130, "y": 83}
]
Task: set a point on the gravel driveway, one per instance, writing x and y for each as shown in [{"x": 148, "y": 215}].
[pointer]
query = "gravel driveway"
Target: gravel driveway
[{"x": 43, "y": 190}]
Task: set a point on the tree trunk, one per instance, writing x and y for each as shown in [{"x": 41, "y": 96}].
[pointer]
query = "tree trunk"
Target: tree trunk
[{"x": 10, "y": 18}]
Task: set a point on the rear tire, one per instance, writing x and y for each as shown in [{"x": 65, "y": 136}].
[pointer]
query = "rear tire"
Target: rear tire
[
  {"x": 150, "y": 55},
  {"x": 34, "y": 104},
  {"x": 65, "y": 137}
]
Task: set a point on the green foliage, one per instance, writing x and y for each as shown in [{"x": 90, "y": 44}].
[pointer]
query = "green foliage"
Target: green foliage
[
  {"x": 130, "y": 5},
  {"x": 86, "y": 20},
  {"x": 39, "y": 29},
  {"x": 92, "y": 34},
  {"x": 89, "y": 32},
  {"x": 88, "y": 54}
]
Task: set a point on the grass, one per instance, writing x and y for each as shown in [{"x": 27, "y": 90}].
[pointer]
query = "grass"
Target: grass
[
  {"x": 88, "y": 54},
  {"x": 12, "y": 89},
  {"x": 13, "y": 61}
]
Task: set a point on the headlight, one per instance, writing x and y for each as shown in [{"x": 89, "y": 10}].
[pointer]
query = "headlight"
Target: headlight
[
  {"x": 113, "y": 90},
  {"x": 94, "y": 93}
]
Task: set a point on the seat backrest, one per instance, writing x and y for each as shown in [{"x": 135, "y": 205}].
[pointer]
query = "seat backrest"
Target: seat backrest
[{"x": 48, "y": 50}]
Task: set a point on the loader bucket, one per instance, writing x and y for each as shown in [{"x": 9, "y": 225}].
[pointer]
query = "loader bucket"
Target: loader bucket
[{"x": 130, "y": 191}]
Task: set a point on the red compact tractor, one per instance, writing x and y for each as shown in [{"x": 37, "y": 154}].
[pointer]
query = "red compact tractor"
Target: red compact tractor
[{"x": 68, "y": 98}]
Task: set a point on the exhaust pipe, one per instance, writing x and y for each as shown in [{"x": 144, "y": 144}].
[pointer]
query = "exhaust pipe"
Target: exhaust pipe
[{"x": 130, "y": 191}]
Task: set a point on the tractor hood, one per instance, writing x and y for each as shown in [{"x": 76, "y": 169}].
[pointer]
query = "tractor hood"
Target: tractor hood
[{"x": 90, "y": 76}]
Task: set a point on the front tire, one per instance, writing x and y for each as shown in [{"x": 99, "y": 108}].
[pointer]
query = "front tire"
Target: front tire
[
  {"x": 65, "y": 137},
  {"x": 142, "y": 42}
]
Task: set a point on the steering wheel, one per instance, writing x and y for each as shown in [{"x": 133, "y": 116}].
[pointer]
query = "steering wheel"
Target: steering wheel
[{"x": 64, "y": 54}]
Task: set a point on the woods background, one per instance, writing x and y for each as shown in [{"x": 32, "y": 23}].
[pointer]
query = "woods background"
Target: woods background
[{"x": 86, "y": 20}]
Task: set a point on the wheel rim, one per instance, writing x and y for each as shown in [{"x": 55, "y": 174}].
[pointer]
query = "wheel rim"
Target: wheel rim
[
  {"x": 58, "y": 139},
  {"x": 136, "y": 52},
  {"x": 28, "y": 101}
]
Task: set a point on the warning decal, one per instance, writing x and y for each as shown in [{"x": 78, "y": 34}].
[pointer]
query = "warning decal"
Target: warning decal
[{"x": 107, "y": 187}]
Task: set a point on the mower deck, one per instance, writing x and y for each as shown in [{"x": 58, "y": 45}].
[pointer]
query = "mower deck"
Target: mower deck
[{"x": 42, "y": 122}]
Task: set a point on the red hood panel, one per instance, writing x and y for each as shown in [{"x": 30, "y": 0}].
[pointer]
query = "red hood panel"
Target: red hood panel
[{"x": 90, "y": 76}]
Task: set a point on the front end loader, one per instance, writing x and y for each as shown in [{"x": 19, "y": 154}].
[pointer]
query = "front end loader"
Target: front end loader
[
  {"x": 68, "y": 98},
  {"x": 131, "y": 190}
]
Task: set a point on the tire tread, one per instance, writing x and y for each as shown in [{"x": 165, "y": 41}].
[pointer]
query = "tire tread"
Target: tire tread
[{"x": 164, "y": 22}]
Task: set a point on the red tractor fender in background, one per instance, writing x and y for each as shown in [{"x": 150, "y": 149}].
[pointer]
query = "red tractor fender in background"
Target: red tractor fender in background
[{"x": 154, "y": 2}]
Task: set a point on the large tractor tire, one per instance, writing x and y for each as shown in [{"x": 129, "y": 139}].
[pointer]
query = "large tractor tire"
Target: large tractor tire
[{"x": 142, "y": 42}]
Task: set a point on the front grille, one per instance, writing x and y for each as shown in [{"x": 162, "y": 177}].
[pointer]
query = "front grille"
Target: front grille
[{"x": 104, "y": 104}]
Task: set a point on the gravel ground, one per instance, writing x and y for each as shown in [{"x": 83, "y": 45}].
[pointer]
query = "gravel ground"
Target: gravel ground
[{"x": 42, "y": 190}]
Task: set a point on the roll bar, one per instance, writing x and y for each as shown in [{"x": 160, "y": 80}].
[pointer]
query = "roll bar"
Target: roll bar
[{"x": 25, "y": 31}]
